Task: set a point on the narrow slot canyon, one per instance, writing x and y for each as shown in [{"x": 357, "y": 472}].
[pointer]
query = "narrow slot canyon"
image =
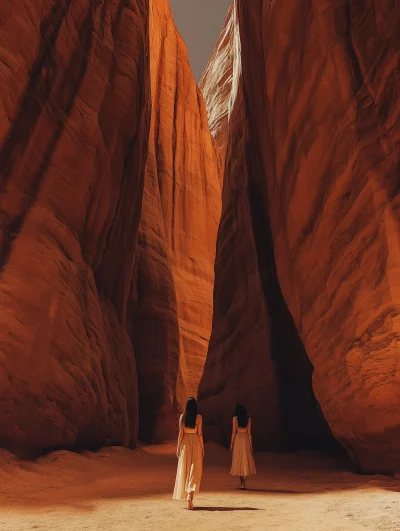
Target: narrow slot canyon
[
  {"x": 232, "y": 237},
  {"x": 235, "y": 239}
]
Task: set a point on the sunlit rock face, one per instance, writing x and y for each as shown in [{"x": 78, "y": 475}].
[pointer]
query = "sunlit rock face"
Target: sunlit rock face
[
  {"x": 170, "y": 306},
  {"x": 109, "y": 208},
  {"x": 311, "y": 174},
  {"x": 74, "y": 123},
  {"x": 219, "y": 83}
]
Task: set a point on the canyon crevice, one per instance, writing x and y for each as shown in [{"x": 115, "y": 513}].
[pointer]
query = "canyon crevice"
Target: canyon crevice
[{"x": 170, "y": 306}]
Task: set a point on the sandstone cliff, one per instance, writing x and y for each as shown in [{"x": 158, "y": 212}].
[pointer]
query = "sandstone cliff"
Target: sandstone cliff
[
  {"x": 105, "y": 151},
  {"x": 171, "y": 298},
  {"x": 315, "y": 186},
  {"x": 74, "y": 118},
  {"x": 255, "y": 354}
]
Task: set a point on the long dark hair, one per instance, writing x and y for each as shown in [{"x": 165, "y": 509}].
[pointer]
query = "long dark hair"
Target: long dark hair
[
  {"x": 242, "y": 416},
  {"x": 190, "y": 415}
]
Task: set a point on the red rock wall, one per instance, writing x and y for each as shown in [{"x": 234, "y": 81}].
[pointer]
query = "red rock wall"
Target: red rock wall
[
  {"x": 321, "y": 107},
  {"x": 255, "y": 355},
  {"x": 170, "y": 307},
  {"x": 74, "y": 118}
]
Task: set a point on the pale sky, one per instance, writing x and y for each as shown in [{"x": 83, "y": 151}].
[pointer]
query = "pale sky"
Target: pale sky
[{"x": 200, "y": 22}]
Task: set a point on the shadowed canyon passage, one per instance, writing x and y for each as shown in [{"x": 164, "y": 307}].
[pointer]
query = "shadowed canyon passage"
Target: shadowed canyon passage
[
  {"x": 110, "y": 202},
  {"x": 256, "y": 355}
]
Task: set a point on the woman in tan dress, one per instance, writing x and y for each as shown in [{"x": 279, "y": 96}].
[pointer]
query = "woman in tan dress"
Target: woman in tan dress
[
  {"x": 190, "y": 451},
  {"x": 242, "y": 446}
]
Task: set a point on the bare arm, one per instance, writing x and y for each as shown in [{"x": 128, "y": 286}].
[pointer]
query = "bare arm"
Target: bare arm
[
  {"x": 180, "y": 436},
  {"x": 249, "y": 432},
  {"x": 234, "y": 430},
  {"x": 200, "y": 433}
]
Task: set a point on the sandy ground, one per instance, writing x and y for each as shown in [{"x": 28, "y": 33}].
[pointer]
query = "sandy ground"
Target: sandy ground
[{"x": 121, "y": 490}]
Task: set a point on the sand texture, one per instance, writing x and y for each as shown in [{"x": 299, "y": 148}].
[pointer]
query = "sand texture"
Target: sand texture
[{"x": 124, "y": 490}]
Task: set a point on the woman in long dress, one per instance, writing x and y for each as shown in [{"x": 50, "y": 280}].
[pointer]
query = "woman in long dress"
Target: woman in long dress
[
  {"x": 190, "y": 451},
  {"x": 242, "y": 446}
]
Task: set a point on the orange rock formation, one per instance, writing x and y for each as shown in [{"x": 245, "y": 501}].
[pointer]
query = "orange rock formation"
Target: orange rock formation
[
  {"x": 311, "y": 184},
  {"x": 171, "y": 299},
  {"x": 74, "y": 124},
  {"x": 255, "y": 354},
  {"x": 76, "y": 80}
]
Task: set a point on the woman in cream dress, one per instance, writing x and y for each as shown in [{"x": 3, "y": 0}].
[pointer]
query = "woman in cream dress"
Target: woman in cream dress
[
  {"x": 242, "y": 446},
  {"x": 190, "y": 451}
]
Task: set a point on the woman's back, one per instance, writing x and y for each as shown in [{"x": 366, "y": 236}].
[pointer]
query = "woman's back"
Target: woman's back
[
  {"x": 242, "y": 429},
  {"x": 242, "y": 446},
  {"x": 186, "y": 429},
  {"x": 190, "y": 452}
]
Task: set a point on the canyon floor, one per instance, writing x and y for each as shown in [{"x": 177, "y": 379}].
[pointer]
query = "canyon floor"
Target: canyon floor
[{"x": 119, "y": 490}]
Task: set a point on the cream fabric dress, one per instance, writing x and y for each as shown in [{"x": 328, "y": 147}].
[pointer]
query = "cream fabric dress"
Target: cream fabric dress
[
  {"x": 190, "y": 464},
  {"x": 242, "y": 458}
]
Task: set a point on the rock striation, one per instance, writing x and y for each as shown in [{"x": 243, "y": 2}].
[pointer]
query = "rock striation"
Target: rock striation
[
  {"x": 170, "y": 305},
  {"x": 74, "y": 121},
  {"x": 255, "y": 354},
  {"x": 311, "y": 180},
  {"x": 109, "y": 205},
  {"x": 219, "y": 83}
]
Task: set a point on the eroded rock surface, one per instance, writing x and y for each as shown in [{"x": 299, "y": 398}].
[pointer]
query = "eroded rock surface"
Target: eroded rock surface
[
  {"x": 74, "y": 121},
  {"x": 105, "y": 152},
  {"x": 320, "y": 170},
  {"x": 255, "y": 354},
  {"x": 170, "y": 306},
  {"x": 220, "y": 83}
]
